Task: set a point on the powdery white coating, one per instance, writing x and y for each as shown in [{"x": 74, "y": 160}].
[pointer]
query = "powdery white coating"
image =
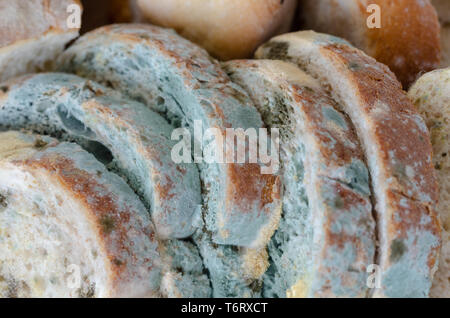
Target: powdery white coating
[
  {"x": 61, "y": 210},
  {"x": 234, "y": 272},
  {"x": 326, "y": 238},
  {"x": 32, "y": 34},
  {"x": 431, "y": 96},
  {"x": 188, "y": 278},
  {"x": 182, "y": 82},
  {"x": 138, "y": 138},
  {"x": 397, "y": 148}
]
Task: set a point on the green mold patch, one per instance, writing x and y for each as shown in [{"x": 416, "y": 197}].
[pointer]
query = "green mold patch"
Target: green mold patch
[
  {"x": 107, "y": 224},
  {"x": 354, "y": 66},
  {"x": 118, "y": 262},
  {"x": 40, "y": 144},
  {"x": 339, "y": 203},
  {"x": 336, "y": 117},
  {"x": 278, "y": 50},
  {"x": 398, "y": 248},
  {"x": 15, "y": 287},
  {"x": 3, "y": 201},
  {"x": 399, "y": 170},
  {"x": 87, "y": 292}
]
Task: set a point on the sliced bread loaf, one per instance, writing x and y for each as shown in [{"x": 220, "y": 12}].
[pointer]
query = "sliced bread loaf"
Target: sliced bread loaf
[
  {"x": 406, "y": 40},
  {"x": 431, "y": 96},
  {"x": 33, "y": 33},
  {"x": 326, "y": 238},
  {"x": 397, "y": 149},
  {"x": 70, "y": 228},
  {"x": 183, "y": 83},
  {"x": 122, "y": 133}
]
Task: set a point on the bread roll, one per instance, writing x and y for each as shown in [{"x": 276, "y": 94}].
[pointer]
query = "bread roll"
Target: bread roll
[
  {"x": 407, "y": 40},
  {"x": 98, "y": 13},
  {"x": 443, "y": 10},
  {"x": 445, "y": 42},
  {"x": 33, "y": 33},
  {"x": 126, "y": 11},
  {"x": 228, "y": 29}
]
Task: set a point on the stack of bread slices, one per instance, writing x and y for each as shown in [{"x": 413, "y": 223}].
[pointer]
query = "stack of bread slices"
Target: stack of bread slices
[{"x": 93, "y": 204}]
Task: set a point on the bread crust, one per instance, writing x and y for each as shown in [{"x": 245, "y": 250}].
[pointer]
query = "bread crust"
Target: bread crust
[
  {"x": 228, "y": 29},
  {"x": 397, "y": 148}
]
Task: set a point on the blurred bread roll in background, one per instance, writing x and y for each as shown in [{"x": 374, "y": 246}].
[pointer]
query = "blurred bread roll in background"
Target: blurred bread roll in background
[
  {"x": 443, "y": 10},
  {"x": 228, "y": 29},
  {"x": 407, "y": 39},
  {"x": 125, "y": 11},
  {"x": 445, "y": 42},
  {"x": 102, "y": 12}
]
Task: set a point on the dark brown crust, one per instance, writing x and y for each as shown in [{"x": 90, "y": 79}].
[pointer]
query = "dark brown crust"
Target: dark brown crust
[{"x": 408, "y": 40}]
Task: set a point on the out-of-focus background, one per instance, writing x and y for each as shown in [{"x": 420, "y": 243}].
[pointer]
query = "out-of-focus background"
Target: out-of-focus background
[
  {"x": 410, "y": 41},
  {"x": 101, "y": 12}
]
